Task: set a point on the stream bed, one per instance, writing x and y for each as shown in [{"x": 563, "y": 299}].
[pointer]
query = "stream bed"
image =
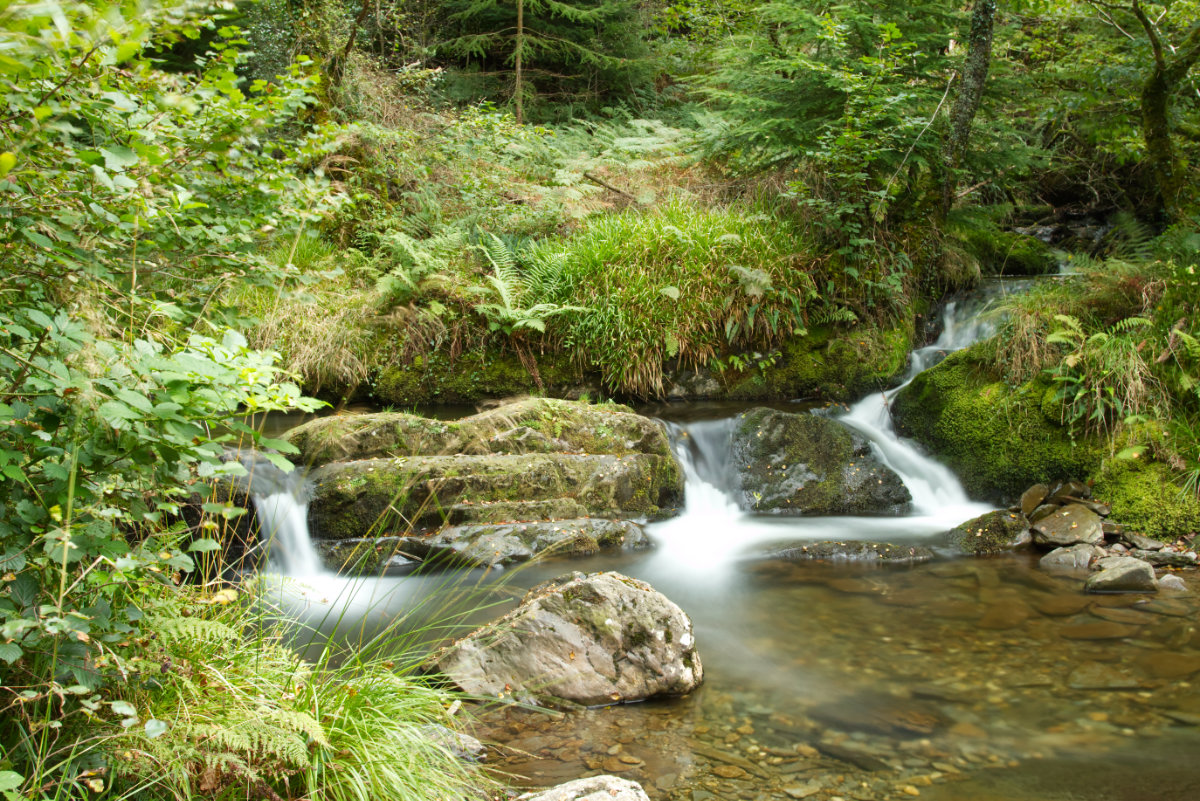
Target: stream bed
[{"x": 960, "y": 678}]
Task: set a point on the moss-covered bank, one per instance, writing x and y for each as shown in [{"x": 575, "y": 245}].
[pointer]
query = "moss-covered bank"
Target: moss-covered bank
[
  {"x": 1000, "y": 439},
  {"x": 830, "y": 363}
]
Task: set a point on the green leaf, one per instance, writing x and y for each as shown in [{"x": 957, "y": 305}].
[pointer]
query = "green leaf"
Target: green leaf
[
  {"x": 123, "y": 708},
  {"x": 119, "y": 159},
  {"x": 155, "y": 728},
  {"x": 10, "y": 652},
  {"x": 10, "y": 780},
  {"x": 671, "y": 292},
  {"x": 205, "y": 545}
]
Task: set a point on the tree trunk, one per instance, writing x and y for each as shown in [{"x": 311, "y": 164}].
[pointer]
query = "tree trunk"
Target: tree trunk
[
  {"x": 519, "y": 90},
  {"x": 1162, "y": 83},
  {"x": 970, "y": 95}
]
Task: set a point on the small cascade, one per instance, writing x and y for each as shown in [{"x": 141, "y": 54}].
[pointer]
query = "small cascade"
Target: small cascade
[
  {"x": 282, "y": 514},
  {"x": 712, "y": 529}
]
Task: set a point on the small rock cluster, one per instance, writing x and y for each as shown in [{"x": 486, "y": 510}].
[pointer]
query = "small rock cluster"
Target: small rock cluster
[{"x": 1075, "y": 530}]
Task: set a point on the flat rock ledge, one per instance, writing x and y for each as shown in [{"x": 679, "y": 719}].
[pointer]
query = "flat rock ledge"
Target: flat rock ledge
[
  {"x": 583, "y": 639},
  {"x": 593, "y": 788},
  {"x": 848, "y": 551}
]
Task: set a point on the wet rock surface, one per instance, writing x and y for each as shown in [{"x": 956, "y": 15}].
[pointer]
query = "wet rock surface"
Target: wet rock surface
[
  {"x": 510, "y": 543},
  {"x": 992, "y": 533},
  {"x": 806, "y": 464},
  {"x": 593, "y": 639},
  {"x": 868, "y": 553}
]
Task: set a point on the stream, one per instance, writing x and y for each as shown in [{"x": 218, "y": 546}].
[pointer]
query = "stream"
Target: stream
[{"x": 956, "y": 679}]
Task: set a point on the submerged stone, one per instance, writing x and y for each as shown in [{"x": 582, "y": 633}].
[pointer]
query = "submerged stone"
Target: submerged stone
[
  {"x": 850, "y": 551},
  {"x": 805, "y": 464},
  {"x": 1121, "y": 574}
]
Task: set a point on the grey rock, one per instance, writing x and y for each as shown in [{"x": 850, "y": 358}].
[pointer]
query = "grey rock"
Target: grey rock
[
  {"x": 1032, "y": 498},
  {"x": 1070, "y": 488},
  {"x": 992, "y": 533},
  {"x": 1167, "y": 558},
  {"x": 463, "y": 746},
  {"x": 1042, "y": 512},
  {"x": 1139, "y": 542},
  {"x": 1070, "y": 525},
  {"x": 1170, "y": 583},
  {"x": 806, "y": 464},
  {"x": 850, "y": 551},
  {"x": 507, "y": 544},
  {"x": 1075, "y": 558},
  {"x": 592, "y": 788},
  {"x": 593, "y": 639},
  {"x": 1121, "y": 574}
]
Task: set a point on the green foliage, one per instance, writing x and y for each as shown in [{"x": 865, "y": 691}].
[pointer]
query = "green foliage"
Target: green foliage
[
  {"x": 244, "y": 715},
  {"x": 681, "y": 282},
  {"x": 509, "y": 288},
  {"x": 578, "y": 55}
]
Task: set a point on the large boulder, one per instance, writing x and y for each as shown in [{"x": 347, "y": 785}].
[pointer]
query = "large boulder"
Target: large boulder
[
  {"x": 532, "y": 425},
  {"x": 421, "y": 493},
  {"x": 992, "y": 533},
  {"x": 505, "y": 544},
  {"x": 594, "y": 639},
  {"x": 805, "y": 464}
]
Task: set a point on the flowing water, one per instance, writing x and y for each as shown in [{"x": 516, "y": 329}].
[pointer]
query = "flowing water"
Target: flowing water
[{"x": 960, "y": 679}]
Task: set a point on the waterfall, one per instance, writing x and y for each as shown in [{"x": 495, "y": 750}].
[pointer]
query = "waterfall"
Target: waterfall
[
  {"x": 713, "y": 529},
  {"x": 282, "y": 514}
]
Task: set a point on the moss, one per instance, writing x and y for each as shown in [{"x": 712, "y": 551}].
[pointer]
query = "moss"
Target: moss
[
  {"x": 831, "y": 363},
  {"x": 998, "y": 439},
  {"x": 1001, "y": 252},
  {"x": 1143, "y": 498},
  {"x": 475, "y": 375}
]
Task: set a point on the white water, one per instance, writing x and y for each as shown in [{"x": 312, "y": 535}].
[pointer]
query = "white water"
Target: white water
[{"x": 712, "y": 530}]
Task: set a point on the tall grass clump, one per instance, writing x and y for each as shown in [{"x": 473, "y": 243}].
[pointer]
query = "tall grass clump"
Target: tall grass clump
[
  {"x": 230, "y": 711},
  {"x": 681, "y": 282}
]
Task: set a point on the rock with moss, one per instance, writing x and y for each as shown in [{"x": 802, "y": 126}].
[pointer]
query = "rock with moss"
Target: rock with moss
[
  {"x": 421, "y": 493},
  {"x": 805, "y": 464},
  {"x": 531, "y": 425},
  {"x": 506, "y": 544},
  {"x": 989, "y": 534},
  {"x": 1001, "y": 252},
  {"x": 601, "y": 638},
  {"x": 831, "y": 363},
  {"x": 1143, "y": 497},
  {"x": 997, "y": 438}
]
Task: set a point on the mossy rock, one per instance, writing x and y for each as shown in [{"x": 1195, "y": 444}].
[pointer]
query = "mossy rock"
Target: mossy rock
[
  {"x": 1143, "y": 498},
  {"x": 378, "y": 496},
  {"x": 512, "y": 543},
  {"x": 998, "y": 439},
  {"x": 477, "y": 375},
  {"x": 992, "y": 533},
  {"x": 533, "y": 425},
  {"x": 1002, "y": 252},
  {"x": 830, "y": 363},
  {"x": 805, "y": 464}
]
